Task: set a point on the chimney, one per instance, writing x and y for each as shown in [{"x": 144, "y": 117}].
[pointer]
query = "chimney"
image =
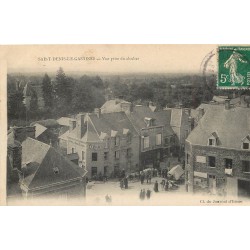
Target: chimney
[
  {"x": 227, "y": 104},
  {"x": 72, "y": 125},
  {"x": 80, "y": 125},
  {"x": 97, "y": 111},
  {"x": 201, "y": 112},
  {"x": 126, "y": 107},
  {"x": 188, "y": 111},
  {"x": 15, "y": 155},
  {"x": 21, "y": 133}
]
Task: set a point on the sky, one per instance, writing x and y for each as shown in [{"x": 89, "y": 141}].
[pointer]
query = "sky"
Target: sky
[{"x": 118, "y": 58}]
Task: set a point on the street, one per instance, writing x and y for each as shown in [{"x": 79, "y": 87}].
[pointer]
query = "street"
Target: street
[{"x": 96, "y": 192}]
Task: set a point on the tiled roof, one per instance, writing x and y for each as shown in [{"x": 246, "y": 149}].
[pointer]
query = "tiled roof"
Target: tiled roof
[
  {"x": 38, "y": 161},
  {"x": 231, "y": 126}
]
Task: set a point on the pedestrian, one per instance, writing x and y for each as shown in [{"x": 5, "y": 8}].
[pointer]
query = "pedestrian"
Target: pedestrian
[
  {"x": 143, "y": 194},
  {"x": 142, "y": 178},
  {"x": 162, "y": 184},
  {"x": 108, "y": 198},
  {"x": 149, "y": 178},
  {"x": 156, "y": 187},
  {"x": 148, "y": 194},
  {"x": 166, "y": 185},
  {"x": 121, "y": 184},
  {"x": 126, "y": 182},
  {"x": 123, "y": 173}
]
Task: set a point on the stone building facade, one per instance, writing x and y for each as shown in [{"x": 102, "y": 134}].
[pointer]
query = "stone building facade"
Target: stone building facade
[
  {"x": 105, "y": 143},
  {"x": 129, "y": 138},
  {"x": 218, "y": 152}
]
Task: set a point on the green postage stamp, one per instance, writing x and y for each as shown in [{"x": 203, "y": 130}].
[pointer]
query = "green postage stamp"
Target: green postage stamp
[{"x": 233, "y": 67}]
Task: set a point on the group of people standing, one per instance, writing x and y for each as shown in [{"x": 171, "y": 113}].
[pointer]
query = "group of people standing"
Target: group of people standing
[
  {"x": 145, "y": 176},
  {"x": 145, "y": 194},
  {"x": 164, "y": 184},
  {"x": 124, "y": 183}
]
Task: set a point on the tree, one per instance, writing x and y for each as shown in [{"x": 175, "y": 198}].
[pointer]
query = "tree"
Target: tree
[
  {"x": 47, "y": 91},
  {"x": 82, "y": 98},
  {"x": 63, "y": 91},
  {"x": 33, "y": 104},
  {"x": 16, "y": 108}
]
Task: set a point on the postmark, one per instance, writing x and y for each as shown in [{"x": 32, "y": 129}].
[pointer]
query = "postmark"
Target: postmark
[
  {"x": 233, "y": 67},
  {"x": 208, "y": 70}
]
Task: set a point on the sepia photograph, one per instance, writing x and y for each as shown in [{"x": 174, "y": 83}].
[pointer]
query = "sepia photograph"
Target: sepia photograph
[{"x": 127, "y": 124}]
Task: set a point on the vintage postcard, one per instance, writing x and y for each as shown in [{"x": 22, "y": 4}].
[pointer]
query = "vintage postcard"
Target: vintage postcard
[{"x": 125, "y": 125}]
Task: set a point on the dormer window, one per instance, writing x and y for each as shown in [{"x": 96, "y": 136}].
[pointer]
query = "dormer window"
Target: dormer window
[
  {"x": 149, "y": 121},
  {"x": 213, "y": 139},
  {"x": 211, "y": 142},
  {"x": 246, "y": 142}
]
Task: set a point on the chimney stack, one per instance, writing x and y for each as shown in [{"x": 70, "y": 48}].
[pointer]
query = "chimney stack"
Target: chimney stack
[
  {"x": 80, "y": 125},
  {"x": 227, "y": 104},
  {"x": 21, "y": 133},
  {"x": 15, "y": 155},
  {"x": 72, "y": 125}
]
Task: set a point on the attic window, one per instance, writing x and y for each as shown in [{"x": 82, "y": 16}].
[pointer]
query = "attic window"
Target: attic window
[
  {"x": 148, "y": 121},
  {"x": 211, "y": 142},
  {"x": 56, "y": 170},
  {"x": 213, "y": 139},
  {"x": 245, "y": 143}
]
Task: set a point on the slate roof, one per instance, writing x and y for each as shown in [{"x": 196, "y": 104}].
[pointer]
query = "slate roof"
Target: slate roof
[
  {"x": 49, "y": 123},
  {"x": 161, "y": 118},
  {"x": 64, "y": 121},
  {"x": 64, "y": 136},
  {"x": 39, "y": 129},
  {"x": 38, "y": 161},
  {"x": 176, "y": 117},
  {"x": 117, "y": 121},
  {"x": 120, "y": 123},
  {"x": 231, "y": 126},
  {"x": 112, "y": 106}
]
